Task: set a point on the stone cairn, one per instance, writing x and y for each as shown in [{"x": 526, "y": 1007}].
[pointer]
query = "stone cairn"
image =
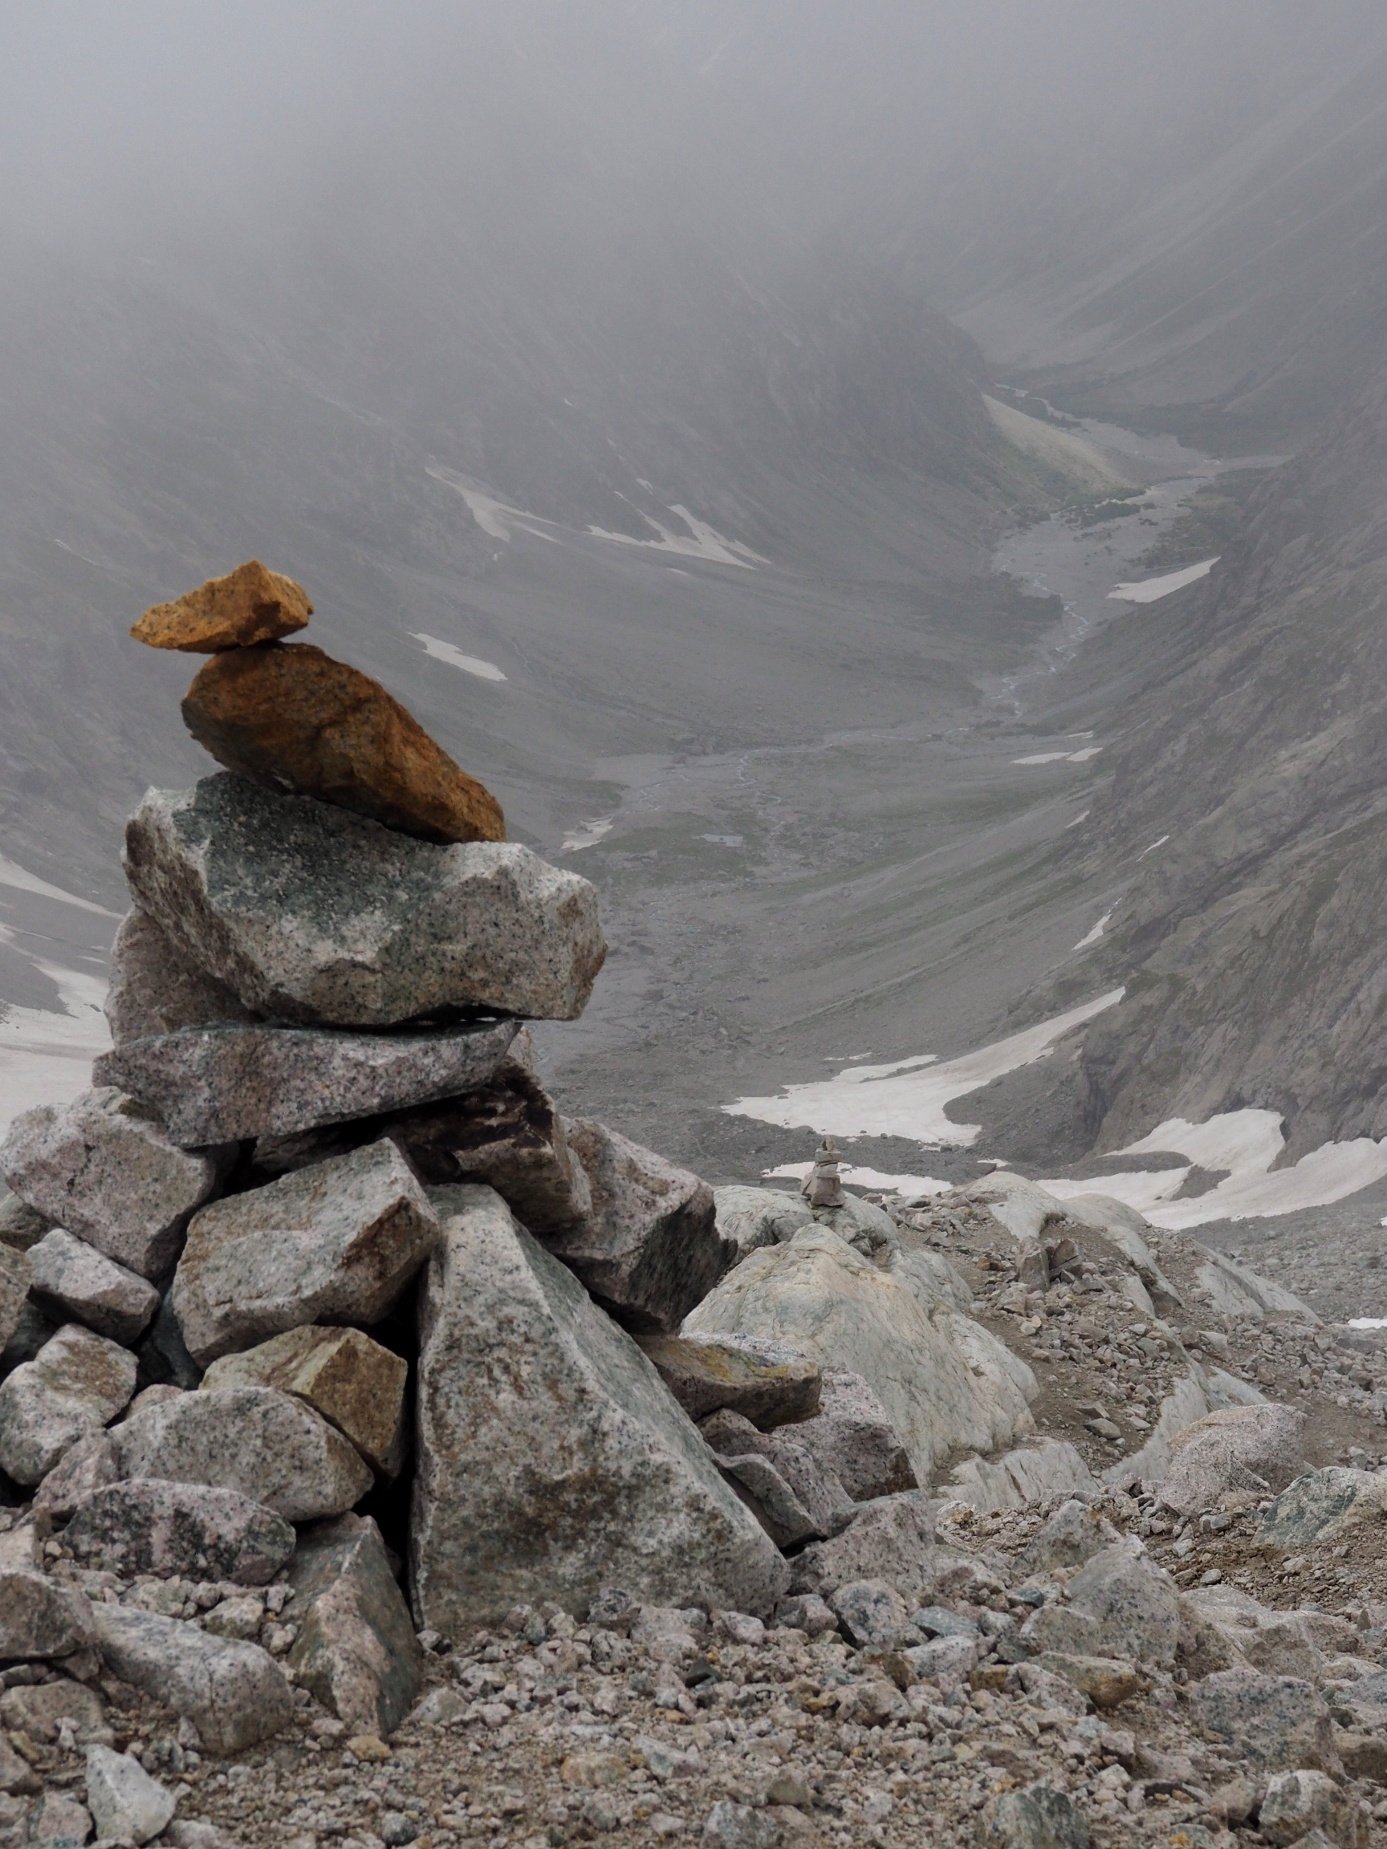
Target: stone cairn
[{"x": 317, "y": 1291}]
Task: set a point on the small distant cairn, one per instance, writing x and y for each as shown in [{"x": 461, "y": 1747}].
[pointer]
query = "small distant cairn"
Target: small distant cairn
[{"x": 823, "y": 1186}]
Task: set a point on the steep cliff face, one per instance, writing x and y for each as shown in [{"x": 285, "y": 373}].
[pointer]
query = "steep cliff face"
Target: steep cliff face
[{"x": 1250, "y": 940}]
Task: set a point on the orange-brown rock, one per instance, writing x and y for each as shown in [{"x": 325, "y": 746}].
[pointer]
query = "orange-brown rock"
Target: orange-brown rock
[
  {"x": 294, "y": 719},
  {"x": 247, "y": 606}
]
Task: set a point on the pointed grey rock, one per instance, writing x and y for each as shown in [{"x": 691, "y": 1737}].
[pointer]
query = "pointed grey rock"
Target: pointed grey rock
[
  {"x": 125, "y": 1802},
  {"x": 650, "y": 1249},
  {"x": 146, "y": 1525},
  {"x": 91, "y": 1464},
  {"x": 71, "y": 1278},
  {"x": 552, "y": 1461},
  {"x": 76, "y": 1383},
  {"x": 151, "y": 990},
  {"x": 268, "y": 1446},
  {"x": 233, "y": 1693},
  {"x": 109, "y": 1175},
  {"x": 317, "y": 916},
  {"x": 338, "y": 1242},
  {"x": 356, "y": 1651},
  {"x": 220, "y": 1084}
]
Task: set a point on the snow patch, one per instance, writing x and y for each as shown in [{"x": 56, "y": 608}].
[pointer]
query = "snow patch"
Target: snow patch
[
  {"x": 1092, "y": 937},
  {"x": 470, "y": 664},
  {"x": 907, "y": 1098},
  {"x": 1154, "y": 588},
  {"x": 45, "y": 1058},
  {"x": 701, "y": 542},
  {"x": 495, "y": 517},
  {"x": 588, "y": 834},
  {"x": 1062, "y": 757},
  {"x": 1246, "y": 1143},
  {"x": 13, "y": 875}
]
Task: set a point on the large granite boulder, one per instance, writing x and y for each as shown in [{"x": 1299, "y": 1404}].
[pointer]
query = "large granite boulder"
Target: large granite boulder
[
  {"x": 233, "y": 1693},
  {"x": 152, "y": 991},
  {"x": 147, "y": 1525},
  {"x": 1238, "y": 1448},
  {"x": 101, "y": 1169},
  {"x": 295, "y": 719},
  {"x": 322, "y": 918},
  {"x": 76, "y": 1383},
  {"x": 1268, "y": 1721},
  {"x": 846, "y": 1312},
  {"x": 267, "y": 1446},
  {"x": 248, "y": 605},
  {"x": 650, "y": 1249},
  {"x": 552, "y": 1460},
  {"x": 71, "y": 1278},
  {"x": 356, "y": 1651},
  {"x": 336, "y": 1242},
  {"x": 221, "y": 1084},
  {"x": 356, "y": 1385},
  {"x": 1321, "y": 1506}
]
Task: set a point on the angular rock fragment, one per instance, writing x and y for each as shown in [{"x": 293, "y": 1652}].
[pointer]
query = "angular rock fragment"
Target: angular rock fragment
[
  {"x": 1072, "y": 1534},
  {"x": 223, "y": 1084},
  {"x": 71, "y": 1278},
  {"x": 356, "y": 1385},
  {"x": 16, "y": 1274},
  {"x": 1034, "y": 1473},
  {"x": 1255, "y": 1448},
  {"x": 91, "y": 1464},
  {"x": 749, "y": 1218},
  {"x": 125, "y": 1802},
  {"x": 233, "y": 1693},
  {"x": 40, "y": 1710},
  {"x": 338, "y": 1241},
  {"x": 551, "y": 1460},
  {"x": 30, "y": 1333},
  {"x": 1271, "y": 1721},
  {"x": 1107, "y": 1681},
  {"x": 321, "y": 918},
  {"x": 891, "y": 1539},
  {"x": 58, "y": 1821},
  {"x": 509, "y": 1135},
  {"x": 268, "y": 1446},
  {"x": 247, "y": 606},
  {"x": 769, "y": 1383},
  {"x": 294, "y": 719},
  {"x": 852, "y": 1440},
  {"x": 870, "y": 1612},
  {"x": 1040, "y": 1817},
  {"x": 1322, "y": 1505},
  {"x": 76, "y": 1383},
  {"x": 153, "y": 991},
  {"x": 148, "y": 1525},
  {"x": 1118, "y": 1605},
  {"x": 1298, "y": 1802},
  {"x": 40, "y": 1618},
  {"x": 824, "y": 1506},
  {"x": 770, "y": 1498},
  {"x": 108, "y": 1175},
  {"x": 356, "y": 1651},
  {"x": 650, "y": 1249}
]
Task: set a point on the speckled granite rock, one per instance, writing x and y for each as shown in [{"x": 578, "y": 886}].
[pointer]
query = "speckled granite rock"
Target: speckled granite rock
[
  {"x": 220, "y": 1084},
  {"x": 322, "y": 918}
]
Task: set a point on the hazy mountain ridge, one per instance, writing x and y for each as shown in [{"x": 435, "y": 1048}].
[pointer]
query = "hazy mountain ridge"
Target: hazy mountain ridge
[{"x": 1250, "y": 939}]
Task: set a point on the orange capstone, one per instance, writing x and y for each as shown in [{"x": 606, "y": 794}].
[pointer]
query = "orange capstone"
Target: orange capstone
[
  {"x": 248, "y": 605},
  {"x": 294, "y": 719}
]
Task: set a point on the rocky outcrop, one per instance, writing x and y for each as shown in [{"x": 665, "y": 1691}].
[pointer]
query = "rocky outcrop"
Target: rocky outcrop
[
  {"x": 845, "y": 1312},
  {"x": 552, "y": 1459},
  {"x": 322, "y": 918},
  {"x": 294, "y": 719}
]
